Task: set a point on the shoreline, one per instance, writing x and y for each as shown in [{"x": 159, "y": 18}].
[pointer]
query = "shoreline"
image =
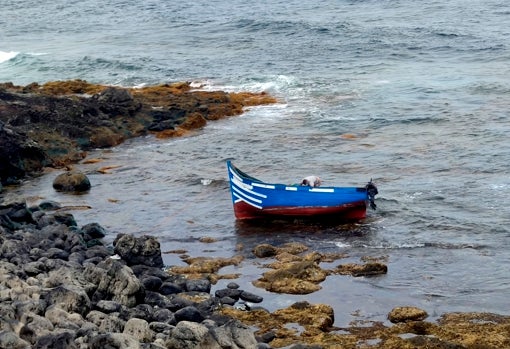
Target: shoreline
[
  {"x": 55, "y": 124},
  {"x": 452, "y": 330},
  {"x": 122, "y": 293}
]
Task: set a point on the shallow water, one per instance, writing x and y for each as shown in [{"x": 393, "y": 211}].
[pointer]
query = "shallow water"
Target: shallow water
[{"x": 412, "y": 94}]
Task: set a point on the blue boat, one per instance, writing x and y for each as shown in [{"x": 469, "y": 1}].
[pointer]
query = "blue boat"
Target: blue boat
[{"x": 254, "y": 199}]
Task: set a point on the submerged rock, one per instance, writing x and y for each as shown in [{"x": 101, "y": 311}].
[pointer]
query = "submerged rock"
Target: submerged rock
[{"x": 368, "y": 269}]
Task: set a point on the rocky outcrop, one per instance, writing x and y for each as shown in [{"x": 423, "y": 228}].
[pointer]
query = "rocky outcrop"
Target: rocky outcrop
[
  {"x": 60, "y": 287},
  {"x": 56, "y": 123}
]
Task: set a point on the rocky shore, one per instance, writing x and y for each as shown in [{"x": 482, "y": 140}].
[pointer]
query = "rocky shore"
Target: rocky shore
[
  {"x": 55, "y": 124},
  {"x": 61, "y": 286}
]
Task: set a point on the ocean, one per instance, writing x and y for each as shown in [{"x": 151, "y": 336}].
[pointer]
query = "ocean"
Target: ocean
[{"x": 412, "y": 94}]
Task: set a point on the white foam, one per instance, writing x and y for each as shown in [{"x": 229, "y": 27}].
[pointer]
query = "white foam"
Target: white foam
[{"x": 6, "y": 56}]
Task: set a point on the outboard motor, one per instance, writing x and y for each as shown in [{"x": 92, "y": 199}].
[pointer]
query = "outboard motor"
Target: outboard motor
[{"x": 371, "y": 192}]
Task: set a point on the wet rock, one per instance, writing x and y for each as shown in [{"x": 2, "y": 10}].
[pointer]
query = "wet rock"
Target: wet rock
[
  {"x": 156, "y": 299},
  {"x": 116, "y": 101},
  {"x": 198, "y": 285},
  {"x": 151, "y": 283},
  {"x": 189, "y": 313},
  {"x": 228, "y": 300},
  {"x": 144, "y": 250},
  {"x": 404, "y": 314},
  {"x": 250, "y": 297},
  {"x": 43, "y": 303},
  {"x": 72, "y": 181},
  {"x": 293, "y": 278},
  {"x": 191, "y": 335},
  {"x": 168, "y": 288},
  {"x": 200, "y": 266},
  {"x": 228, "y": 292},
  {"x": 368, "y": 269},
  {"x": 234, "y": 334},
  {"x": 265, "y": 250},
  {"x": 233, "y": 285},
  {"x": 164, "y": 316},
  {"x": 316, "y": 320},
  {"x": 114, "y": 340},
  {"x": 48, "y": 205},
  {"x": 55, "y": 123},
  {"x": 94, "y": 231},
  {"x": 141, "y": 311}
]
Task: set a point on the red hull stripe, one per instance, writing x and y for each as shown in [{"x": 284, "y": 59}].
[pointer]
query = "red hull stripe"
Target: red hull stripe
[{"x": 351, "y": 211}]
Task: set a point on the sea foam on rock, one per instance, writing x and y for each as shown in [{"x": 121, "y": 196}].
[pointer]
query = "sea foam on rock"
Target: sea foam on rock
[{"x": 57, "y": 290}]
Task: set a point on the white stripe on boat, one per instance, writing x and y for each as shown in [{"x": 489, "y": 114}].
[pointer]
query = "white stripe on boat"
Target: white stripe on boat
[
  {"x": 260, "y": 185},
  {"x": 323, "y": 190},
  {"x": 235, "y": 174},
  {"x": 241, "y": 184},
  {"x": 244, "y": 195},
  {"x": 248, "y": 188},
  {"x": 249, "y": 203},
  {"x": 291, "y": 188}
]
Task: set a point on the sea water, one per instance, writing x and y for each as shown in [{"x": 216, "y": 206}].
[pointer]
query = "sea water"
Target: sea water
[{"x": 412, "y": 94}]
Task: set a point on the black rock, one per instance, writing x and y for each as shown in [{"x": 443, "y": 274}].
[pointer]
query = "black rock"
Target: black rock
[
  {"x": 144, "y": 250},
  {"x": 189, "y": 313},
  {"x": 158, "y": 300},
  {"x": 250, "y": 297},
  {"x": 164, "y": 316},
  {"x": 228, "y": 292},
  {"x": 228, "y": 301},
  {"x": 200, "y": 285},
  {"x": 151, "y": 283},
  {"x": 94, "y": 230},
  {"x": 233, "y": 285},
  {"x": 168, "y": 288}
]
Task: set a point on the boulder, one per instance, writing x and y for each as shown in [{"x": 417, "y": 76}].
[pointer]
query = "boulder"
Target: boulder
[
  {"x": 405, "y": 314},
  {"x": 144, "y": 250},
  {"x": 9, "y": 339},
  {"x": 93, "y": 231},
  {"x": 139, "y": 329},
  {"x": 69, "y": 298},
  {"x": 234, "y": 334},
  {"x": 72, "y": 181},
  {"x": 265, "y": 250},
  {"x": 189, "y": 313},
  {"x": 191, "y": 335},
  {"x": 106, "y": 322},
  {"x": 114, "y": 281},
  {"x": 59, "y": 340},
  {"x": 114, "y": 340}
]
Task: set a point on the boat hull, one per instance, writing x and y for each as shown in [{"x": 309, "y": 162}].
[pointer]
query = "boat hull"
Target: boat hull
[
  {"x": 253, "y": 199},
  {"x": 346, "y": 212}
]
